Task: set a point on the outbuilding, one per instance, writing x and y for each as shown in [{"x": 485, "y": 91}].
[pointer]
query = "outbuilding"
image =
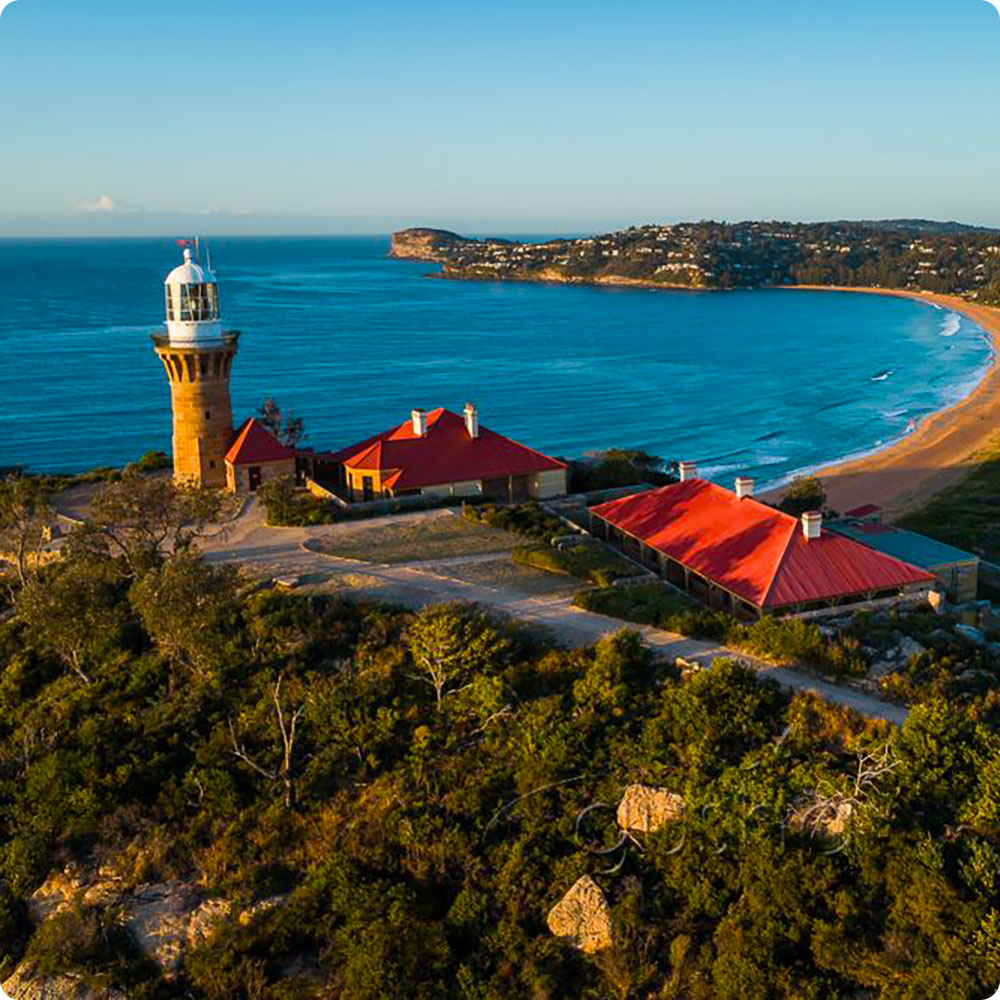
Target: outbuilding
[{"x": 255, "y": 457}]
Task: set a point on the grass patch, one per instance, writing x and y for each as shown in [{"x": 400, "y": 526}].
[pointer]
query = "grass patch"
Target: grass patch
[
  {"x": 441, "y": 537},
  {"x": 589, "y": 560},
  {"x": 965, "y": 514}
]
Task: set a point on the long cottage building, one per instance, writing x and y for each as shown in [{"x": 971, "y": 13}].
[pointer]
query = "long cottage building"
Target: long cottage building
[{"x": 735, "y": 553}]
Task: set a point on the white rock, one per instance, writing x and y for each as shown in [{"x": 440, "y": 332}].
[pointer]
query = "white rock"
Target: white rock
[
  {"x": 648, "y": 809},
  {"x": 582, "y": 917}
]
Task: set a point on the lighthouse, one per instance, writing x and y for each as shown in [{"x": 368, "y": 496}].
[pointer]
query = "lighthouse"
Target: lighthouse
[{"x": 197, "y": 354}]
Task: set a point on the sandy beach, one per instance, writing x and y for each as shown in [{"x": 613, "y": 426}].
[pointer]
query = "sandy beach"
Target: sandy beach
[{"x": 907, "y": 473}]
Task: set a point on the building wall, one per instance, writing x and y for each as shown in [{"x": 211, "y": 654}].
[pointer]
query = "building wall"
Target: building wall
[
  {"x": 238, "y": 477},
  {"x": 960, "y": 580},
  {"x": 202, "y": 411},
  {"x": 553, "y": 483}
]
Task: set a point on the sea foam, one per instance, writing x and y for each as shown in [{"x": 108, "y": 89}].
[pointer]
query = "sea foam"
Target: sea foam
[{"x": 951, "y": 325}]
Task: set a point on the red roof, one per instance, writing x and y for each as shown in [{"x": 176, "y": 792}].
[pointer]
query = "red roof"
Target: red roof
[
  {"x": 866, "y": 510},
  {"x": 255, "y": 444},
  {"x": 446, "y": 454},
  {"x": 752, "y": 550}
]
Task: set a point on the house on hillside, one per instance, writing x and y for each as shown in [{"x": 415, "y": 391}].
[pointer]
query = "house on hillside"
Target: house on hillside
[
  {"x": 256, "y": 456},
  {"x": 442, "y": 454},
  {"x": 737, "y": 554}
]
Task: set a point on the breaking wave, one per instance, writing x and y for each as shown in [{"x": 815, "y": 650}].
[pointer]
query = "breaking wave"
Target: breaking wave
[{"x": 951, "y": 325}]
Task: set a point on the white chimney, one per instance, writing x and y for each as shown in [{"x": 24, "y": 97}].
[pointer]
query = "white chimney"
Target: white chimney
[
  {"x": 419, "y": 418},
  {"x": 688, "y": 470},
  {"x": 744, "y": 487},
  {"x": 812, "y": 525},
  {"x": 471, "y": 420}
]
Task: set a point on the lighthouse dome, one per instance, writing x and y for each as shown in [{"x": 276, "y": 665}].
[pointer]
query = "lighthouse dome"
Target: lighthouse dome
[{"x": 190, "y": 273}]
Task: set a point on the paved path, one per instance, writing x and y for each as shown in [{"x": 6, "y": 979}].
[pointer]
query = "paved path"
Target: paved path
[{"x": 285, "y": 552}]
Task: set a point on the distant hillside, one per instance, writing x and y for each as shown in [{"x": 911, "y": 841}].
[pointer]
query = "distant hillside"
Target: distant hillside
[{"x": 944, "y": 257}]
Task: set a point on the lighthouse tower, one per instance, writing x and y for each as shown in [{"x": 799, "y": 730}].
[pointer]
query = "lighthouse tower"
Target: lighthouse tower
[{"x": 198, "y": 356}]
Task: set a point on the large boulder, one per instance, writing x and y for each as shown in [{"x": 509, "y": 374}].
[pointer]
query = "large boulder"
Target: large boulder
[
  {"x": 646, "y": 809},
  {"x": 29, "y": 984},
  {"x": 582, "y": 917}
]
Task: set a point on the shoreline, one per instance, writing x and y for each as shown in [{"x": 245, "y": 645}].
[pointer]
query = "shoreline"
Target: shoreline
[
  {"x": 904, "y": 473},
  {"x": 907, "y": 472}
]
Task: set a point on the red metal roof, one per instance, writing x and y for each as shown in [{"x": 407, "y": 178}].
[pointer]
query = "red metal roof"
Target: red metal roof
[
  {"x": 866, "y": 510},
  {"x": 752, "y": 550},
  {"x": 255, "y": 444},
  {"x": 446, "y": 454}
]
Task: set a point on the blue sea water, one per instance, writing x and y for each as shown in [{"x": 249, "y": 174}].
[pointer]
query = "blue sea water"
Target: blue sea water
[{"x": 761, "y": 383}]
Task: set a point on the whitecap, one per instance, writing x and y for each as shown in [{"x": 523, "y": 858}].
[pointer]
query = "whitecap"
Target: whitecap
[
  {"x": 951, "y": 325},
  {"x": 881, "y": 376}
]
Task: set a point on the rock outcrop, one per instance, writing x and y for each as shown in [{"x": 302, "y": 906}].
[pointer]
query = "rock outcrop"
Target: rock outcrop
[
  {"x": 582, "y": 917},
  {"x": 646, "y": 809},
  {"x": 425, "y": 244},
  {"x": 165, "y": 919},
  {"x": 28, "y": 984}
]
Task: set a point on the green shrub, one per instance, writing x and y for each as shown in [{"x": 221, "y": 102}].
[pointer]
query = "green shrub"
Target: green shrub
[
  {"x": 588, "y": 561},
  {"x": 528, "y": 520},
  {"x": 93, "y": 942},
  {"x": 287, "y": 506},
  {"x": 154, "y": 461}
]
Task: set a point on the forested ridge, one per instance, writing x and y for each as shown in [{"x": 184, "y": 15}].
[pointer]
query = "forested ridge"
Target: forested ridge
[{"x": 411, "y": 794}]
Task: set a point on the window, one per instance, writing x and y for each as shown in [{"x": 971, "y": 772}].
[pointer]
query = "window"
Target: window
[
  {"x": 211, "y": 464},
  {"x": 208, "y": 414},
  {"x": 192, "y": 303}
]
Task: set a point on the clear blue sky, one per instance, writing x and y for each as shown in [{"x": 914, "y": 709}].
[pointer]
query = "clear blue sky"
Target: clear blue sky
[{"x": 540, "y": 116}]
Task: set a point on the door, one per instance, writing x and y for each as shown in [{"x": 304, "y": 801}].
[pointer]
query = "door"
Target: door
[
  {"x": 254, "y": 474},
  {"x": 366, "y": 488}
]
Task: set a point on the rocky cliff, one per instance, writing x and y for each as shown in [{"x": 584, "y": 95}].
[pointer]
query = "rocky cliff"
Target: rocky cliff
[{"x": 426, "y": 244}]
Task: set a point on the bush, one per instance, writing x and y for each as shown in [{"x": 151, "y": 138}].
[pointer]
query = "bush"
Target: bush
[
  {"x": 154, "y": 461},
  {"x": 616, "y": 468},
  {"x": 805, "y": 494},
  {"x": 528, "y": 520},
  {"x": 287, "y": 506},
  {"x": 589, "y": 561}
]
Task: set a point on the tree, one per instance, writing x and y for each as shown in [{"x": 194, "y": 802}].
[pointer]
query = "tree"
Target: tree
[
  {"x": 279, "y": 499},
  {"x": 76, "y": 613},
  {"x": 805, "y": 494},
  {"x": 144, "y": 518},
  {"x": 287, "y": 722},
  {"x": 287, "y": 428},
  {"x": 452, "y": 642},
  {"x": 25, "y": 514},
  {"x": 189, "y": 609}
]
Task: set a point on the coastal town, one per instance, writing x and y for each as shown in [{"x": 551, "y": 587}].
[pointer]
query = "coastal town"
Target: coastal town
[{"x": 948, "y": 259}]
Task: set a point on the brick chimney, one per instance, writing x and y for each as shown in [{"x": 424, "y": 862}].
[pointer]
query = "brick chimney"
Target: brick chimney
[
  {"x": 419, "y": 418},
  {"x": 688, "y": 470},
  {"x": 471, "y": 415},
  {"x": 812, "y": 525},
  {"x": 744, "y": 487}
]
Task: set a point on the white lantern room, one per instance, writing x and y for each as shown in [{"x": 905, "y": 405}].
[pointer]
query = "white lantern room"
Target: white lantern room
[{"x": 192, "y": 304}]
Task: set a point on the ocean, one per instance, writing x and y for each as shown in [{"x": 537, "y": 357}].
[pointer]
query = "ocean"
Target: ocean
[{"x": 758, "y": 383}]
